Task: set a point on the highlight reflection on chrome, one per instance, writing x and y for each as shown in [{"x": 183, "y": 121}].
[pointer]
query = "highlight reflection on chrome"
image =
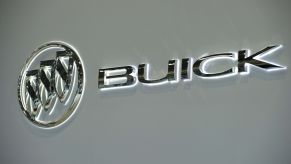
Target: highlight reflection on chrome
[
  {"x": 51, "y": 84},
  {"x": 129, "y": 76}
]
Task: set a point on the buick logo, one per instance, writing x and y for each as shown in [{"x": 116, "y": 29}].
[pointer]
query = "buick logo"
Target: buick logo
[
  {"x": 130, "y": 75},
  {"x": 51, "y": 84}
]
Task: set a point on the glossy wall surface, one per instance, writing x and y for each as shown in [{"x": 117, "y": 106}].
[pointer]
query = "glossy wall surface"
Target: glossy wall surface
[{"x": 235, "y": 120}]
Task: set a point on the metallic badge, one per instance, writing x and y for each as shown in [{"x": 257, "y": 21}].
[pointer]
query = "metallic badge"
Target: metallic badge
[
  {"x": 130, "y": 76},
  {"x": 51, "y": 84}
]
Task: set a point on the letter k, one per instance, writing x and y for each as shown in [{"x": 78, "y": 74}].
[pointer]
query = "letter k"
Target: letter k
[{"x": 243, "y": 59}]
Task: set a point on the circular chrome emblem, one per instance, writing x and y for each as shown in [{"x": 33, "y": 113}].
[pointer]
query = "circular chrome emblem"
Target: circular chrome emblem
[{"x": 51, "y": 84}]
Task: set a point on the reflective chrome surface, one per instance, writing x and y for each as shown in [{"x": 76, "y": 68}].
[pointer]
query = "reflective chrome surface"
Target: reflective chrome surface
[
  {"x": 241, "y": 119},
  {"x": 244, "y": 58},
  {"x": 104, "y": 80},
  {"x": 143, "y": 73},
  {"x": 51, "y": 84},
  {"x": 125, "y": 76},
  {"x": 198, "y": 64}
]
